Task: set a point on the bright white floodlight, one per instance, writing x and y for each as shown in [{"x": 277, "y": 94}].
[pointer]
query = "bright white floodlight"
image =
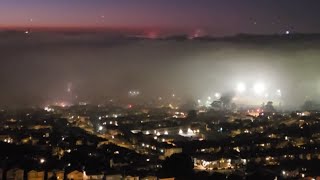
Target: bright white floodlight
[
  {"x": 217, "y": 95},
  {"x": 279, "y": 92},
  {"x": 241, "y": 87},
  {"x": 259, "y": 88},
  {"x": 100, "y": 128}
]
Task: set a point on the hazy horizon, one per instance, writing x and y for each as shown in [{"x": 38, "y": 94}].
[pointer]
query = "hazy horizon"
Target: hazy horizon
[{"x": 37, "y": 68}]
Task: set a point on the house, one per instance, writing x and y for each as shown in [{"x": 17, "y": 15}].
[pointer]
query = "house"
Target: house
[
  {"x": 114, "y": 177},
  {"x": 58, "y": 174},
  {"x": 94, "y": 175},
  {"x": 75, "y": 175},
  {"x": 169, "y": 151},
  {"x": 15, "y": 174},
  {"x": 131, "y": 178},
  {"x": 150, "y": 178},
  {"x": 36, "y": 175}
]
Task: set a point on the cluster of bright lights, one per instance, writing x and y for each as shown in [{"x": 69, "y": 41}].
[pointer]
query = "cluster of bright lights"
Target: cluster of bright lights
[
  {"x": 208, "y": 100},
  {"x": 113, "y": 123},
  {"x": 179, "y": 115},
  {"x": 156, "y": 138},
  {"x": 83, "y": 103},
  {"x": 189, "y": 133},
  {"x": 134, "y": 93},
  {"x": 157, "y": 133},
  {"x": 244, "y": 92},
  {"x": 62, "y": 104},
  {"x": 8, "y": 140},
  {"x": 258, "y": 88},
  {"x": 207, "y": 164},
  {"x": 48, "y": 109},
  {"x": 149, "y": 146}
]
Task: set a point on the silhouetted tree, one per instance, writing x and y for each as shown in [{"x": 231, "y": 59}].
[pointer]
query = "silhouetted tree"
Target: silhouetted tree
[
  {"x": 226, "y": 100},
  {"x": 235, "y": 177},
  {"x": 203, "y": 175},
  {"x": 217, "y": 105},
  {"x": 269, "y": 107},
  {"x": 233, "y": 106},
  {"x": 54, "y": 176},
  {"x": 179, "y": 166},
  {"x": 308, "y": 106},
  {"x": 189, "y": 105},
  {"x": 192, "y": 114},
  {"x": 217, "y": 176},
  {"x": 261, "y": 175}
]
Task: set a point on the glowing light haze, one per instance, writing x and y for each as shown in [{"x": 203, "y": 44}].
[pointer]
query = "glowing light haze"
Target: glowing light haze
[{"x": 97, "y": 68}]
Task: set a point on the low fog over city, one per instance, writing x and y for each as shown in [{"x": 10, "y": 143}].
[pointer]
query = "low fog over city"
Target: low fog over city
[{"x": 38, "y": 68}]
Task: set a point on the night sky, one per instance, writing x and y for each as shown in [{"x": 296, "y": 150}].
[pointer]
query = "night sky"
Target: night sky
[{"x": 215, "y": 17}]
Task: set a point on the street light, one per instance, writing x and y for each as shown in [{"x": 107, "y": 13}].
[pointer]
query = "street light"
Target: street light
[
  {"x": 42, "y": 160},
  {"x": 259, "y": 88},
  {"x": 217, "y": 95},
  {"x": 100, "y": 128},
  {"x": 279, "y": 92},
  {"x": 241, "y": 87}
]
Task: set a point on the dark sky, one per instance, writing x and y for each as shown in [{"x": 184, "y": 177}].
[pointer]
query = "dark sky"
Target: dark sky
[{"x": 217, "y": 17}]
